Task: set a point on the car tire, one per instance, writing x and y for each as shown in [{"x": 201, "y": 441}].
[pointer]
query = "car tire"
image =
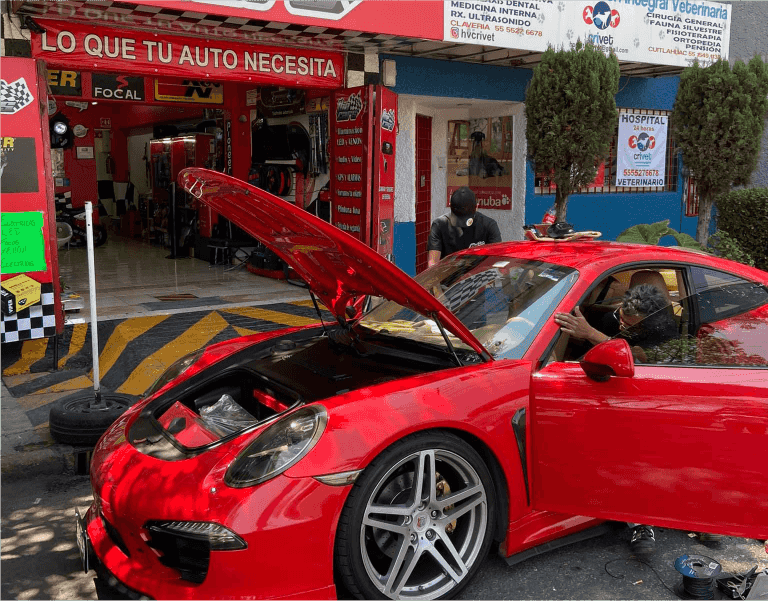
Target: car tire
[
  {"x": 99, "y": 235},
  {"x": 423, "y": 547},
  {"x": 76, "y": 420}
]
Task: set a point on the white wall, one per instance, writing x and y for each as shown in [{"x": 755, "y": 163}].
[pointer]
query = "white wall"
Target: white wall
[
  {"x": 510, "y": 221},
  {"x": 138, "y": 151},
  {"x": 405, "y": 162}
]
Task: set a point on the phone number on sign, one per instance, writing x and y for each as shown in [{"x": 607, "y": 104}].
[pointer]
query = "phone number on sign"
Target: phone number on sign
[
  {"x": 640, "y": 172},
  {"x": 517, "y": 30}
]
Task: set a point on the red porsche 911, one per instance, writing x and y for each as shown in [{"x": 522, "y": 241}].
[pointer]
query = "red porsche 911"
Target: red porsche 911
[{"x": 385, "y": 452}]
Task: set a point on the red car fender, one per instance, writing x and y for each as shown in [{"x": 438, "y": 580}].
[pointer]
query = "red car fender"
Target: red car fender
[{"x": 476, "y": 402}]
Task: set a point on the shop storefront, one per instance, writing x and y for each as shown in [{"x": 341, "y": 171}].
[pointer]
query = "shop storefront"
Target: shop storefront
[
  {"x": 269, "y": 92},
  {"x": 295, "y": 117}
]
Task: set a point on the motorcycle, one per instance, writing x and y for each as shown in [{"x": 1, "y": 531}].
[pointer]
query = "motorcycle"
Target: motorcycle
[{"x": 69, "y": 219}]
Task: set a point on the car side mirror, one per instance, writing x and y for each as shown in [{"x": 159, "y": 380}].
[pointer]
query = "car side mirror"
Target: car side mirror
[{"x": 610, "y": 358}]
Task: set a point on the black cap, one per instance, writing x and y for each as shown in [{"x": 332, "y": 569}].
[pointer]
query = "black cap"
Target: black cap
[
  {"x": 560, "y": 230},
  {"x": 463, "y": 202}
]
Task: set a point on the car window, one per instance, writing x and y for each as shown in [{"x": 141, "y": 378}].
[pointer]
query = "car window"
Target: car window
[
  {"x": 739, "y": 340},
  {"x": 723, "y": 323},
  {"x": 721, "y": 295}
]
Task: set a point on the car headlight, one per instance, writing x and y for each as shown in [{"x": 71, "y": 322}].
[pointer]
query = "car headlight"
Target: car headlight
[
  {"x": 174, "y": 371},
  {"x": 279, "y": 447}
]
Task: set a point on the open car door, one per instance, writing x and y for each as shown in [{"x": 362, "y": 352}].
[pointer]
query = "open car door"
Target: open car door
[{"x": 680, "y": 443}]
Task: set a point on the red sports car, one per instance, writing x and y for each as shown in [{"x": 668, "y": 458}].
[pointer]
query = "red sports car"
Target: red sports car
[{"x": 383, "y": 453}]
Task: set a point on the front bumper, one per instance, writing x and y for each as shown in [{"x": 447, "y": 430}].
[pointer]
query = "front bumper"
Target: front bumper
[
  {"x": 289, "y": 553},
  {"x": 288, "y": 525}
]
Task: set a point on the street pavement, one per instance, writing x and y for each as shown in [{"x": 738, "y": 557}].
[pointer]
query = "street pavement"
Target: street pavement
[{"x": 40, "y": 558}]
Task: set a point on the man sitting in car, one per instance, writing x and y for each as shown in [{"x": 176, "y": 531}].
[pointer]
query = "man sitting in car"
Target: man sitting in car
[{"x": 645, "y": 319}]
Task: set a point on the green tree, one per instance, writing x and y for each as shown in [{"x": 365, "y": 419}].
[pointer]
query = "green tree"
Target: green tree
[
  {"x": 718, "y": 123},
  {"x": 571, "y": 117}
]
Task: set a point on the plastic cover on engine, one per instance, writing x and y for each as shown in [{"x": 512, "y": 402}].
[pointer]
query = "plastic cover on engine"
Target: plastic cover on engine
[{"x": 226, "y": 417}]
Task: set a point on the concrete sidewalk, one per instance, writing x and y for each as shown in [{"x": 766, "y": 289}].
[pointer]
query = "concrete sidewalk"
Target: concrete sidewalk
[{"x": 27, "y": 451}]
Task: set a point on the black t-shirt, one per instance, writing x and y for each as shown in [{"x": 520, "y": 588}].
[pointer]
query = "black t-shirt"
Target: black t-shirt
[{"x": 448, "y": 239}]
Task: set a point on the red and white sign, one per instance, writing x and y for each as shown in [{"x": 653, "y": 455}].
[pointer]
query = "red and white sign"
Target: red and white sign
[
  {"x": 417, "y": 18},
  {"x": 488, "y": 197},
  {"x": 79, "y": 47},
  {"x": 350, "y": 151},
  {"x": 383, "y": 209}
]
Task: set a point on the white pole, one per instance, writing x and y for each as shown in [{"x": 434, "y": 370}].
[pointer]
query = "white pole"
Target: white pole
[{"x": 92, "y": 290}]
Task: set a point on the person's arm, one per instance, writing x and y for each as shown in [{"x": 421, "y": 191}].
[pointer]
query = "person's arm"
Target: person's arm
[
  {"x": 433, "y": 256},
  {"x": 434, "y": 244},
  {"x": 576, "y": 325}
]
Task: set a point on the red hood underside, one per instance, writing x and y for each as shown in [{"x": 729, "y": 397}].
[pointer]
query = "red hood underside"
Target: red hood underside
[{"x": 336, "y": 266}]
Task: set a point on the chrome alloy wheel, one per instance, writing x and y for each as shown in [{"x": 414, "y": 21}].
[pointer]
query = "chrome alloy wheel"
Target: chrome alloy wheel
[{"x": 424, "y": 525}]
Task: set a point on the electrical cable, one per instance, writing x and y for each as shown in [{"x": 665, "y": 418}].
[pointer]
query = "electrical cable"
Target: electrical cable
[
  {"x": 699, "y": 588},
  {"x": 622, "y": 576}
]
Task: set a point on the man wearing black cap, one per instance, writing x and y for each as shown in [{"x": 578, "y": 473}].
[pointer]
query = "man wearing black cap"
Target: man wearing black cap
[{"x": 462, "y": 228}]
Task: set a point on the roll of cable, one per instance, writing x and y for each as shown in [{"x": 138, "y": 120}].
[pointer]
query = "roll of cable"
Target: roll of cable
[{"x": 699, "y": 575}]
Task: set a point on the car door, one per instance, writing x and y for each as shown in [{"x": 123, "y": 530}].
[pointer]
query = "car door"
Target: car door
[{"x": 682, "y": 443}]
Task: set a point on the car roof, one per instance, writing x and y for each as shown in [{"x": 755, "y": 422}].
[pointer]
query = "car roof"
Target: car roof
[{"x": 597, "y": 256}]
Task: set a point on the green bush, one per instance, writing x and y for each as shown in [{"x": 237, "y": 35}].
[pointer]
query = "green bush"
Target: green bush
[
  {"x": 727, "y": 247},
  {"x": 742, "y": 216},
  {"x": 652, "y": 233}
]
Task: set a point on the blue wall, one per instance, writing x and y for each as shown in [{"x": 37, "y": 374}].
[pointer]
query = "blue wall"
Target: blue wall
[
  {"x": 608, "y": 213},
  {"x": 405, "y": 246},
  {"x": 425, "y": 77}
]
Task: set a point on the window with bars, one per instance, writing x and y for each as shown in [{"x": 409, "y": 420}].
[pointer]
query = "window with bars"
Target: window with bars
[{"x": 607, "y": 172}]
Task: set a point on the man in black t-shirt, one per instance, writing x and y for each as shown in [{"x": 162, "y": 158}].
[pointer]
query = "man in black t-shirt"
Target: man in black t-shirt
[{"x": 461, "y": 228}]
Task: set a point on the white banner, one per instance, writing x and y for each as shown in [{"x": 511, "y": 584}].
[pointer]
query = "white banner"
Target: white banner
[
  {"x": 641, "y": 145},
  {"x": 660, "y": 32}
]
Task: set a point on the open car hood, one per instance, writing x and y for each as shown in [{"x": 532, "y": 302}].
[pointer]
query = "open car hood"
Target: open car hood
[{"x": 336, "y": 266}]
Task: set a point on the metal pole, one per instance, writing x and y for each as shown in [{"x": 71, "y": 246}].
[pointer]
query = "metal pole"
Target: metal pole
[
  {"x": 172, "y": 222},
  {"x": 92, "y": 294}
]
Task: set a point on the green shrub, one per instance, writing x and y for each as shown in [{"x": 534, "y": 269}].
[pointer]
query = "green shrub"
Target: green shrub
[
  {"x": 652, "y": 233},
  {"x": 742, "y": 216},
  {"x": 727, "y": 247}
]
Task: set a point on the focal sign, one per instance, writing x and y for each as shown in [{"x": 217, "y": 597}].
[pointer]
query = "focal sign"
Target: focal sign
[{"x": 117, "y": 87}]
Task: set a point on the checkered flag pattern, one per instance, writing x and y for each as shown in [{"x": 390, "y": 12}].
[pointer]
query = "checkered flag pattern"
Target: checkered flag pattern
[
  {"x": 460, "y": 293},
  {"x": 14, "y": 96},
  {"x": 37, "y": 321}
]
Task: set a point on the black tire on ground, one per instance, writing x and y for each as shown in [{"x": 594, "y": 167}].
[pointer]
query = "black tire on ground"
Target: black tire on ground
[
  {"x": 99, "y": 235},
  {"x": 76, "y": 420},
  {"x": 394, "y": 543}
]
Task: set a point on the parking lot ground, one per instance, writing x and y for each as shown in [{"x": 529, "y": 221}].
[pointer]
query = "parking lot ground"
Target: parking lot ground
[{"x": 40, "y": 559}]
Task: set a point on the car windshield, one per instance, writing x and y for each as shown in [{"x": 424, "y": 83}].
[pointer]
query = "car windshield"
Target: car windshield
[{"x": 503, "y": 301}]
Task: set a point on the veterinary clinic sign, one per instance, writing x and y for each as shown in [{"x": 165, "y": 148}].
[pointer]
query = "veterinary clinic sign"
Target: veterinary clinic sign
[
  {"x": 641, "y": 150},
  {"x": 663, "y": 32},
  {"x": 141, "y": 53}
]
